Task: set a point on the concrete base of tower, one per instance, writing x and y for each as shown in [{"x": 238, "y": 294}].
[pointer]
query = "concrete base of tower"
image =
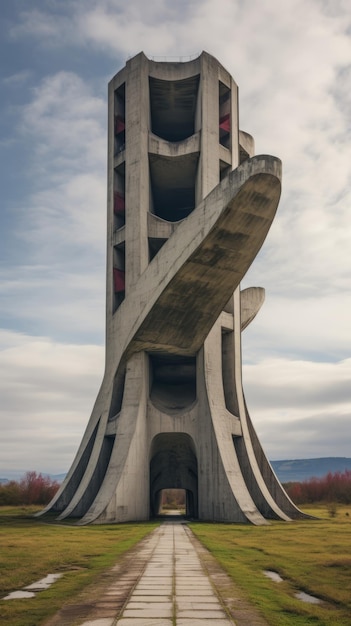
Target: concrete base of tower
[
  {"x": 183, "y": 425},
  {"x": 171, "y": 412}
]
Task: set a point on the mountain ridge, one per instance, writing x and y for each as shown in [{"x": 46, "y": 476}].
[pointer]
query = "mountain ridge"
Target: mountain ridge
[{"x": 298, "y": 470}]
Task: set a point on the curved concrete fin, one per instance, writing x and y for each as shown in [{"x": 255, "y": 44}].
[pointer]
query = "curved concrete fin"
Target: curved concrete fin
[
  {"x": 225, "y": 429},
  {"x": 77, "y": 469},
  {"x": 183, "y": 290},
  {"x": 251, "y": 301},
  {"x": 265, "y": 502},
  {"x": 89, "y": 471},
  {"x": 271, "y": 480},
  {"x": 130, "y": 419}
]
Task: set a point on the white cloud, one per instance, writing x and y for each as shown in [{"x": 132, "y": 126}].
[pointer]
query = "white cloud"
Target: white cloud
[
  {"x": 65, "y": 117},
  {"x": 293, "y": 71},
  {"x": 304, "y": 385},
  {"x": 47, "y": 392},
  {"x": 55, "y": 299},
  {"x": 17, "y": 79},
  {"x": 69, "y": 213},
  {"x": 291, "y": 67},
  {"x": 316, "y": 326},
  {"x": 314, "y": 437},
  {"x": 58, "y": 283},
  {"x": 300, "y": 409},
  {"x": 66, "y": 206},
  {"x": 51, "y": 28}
]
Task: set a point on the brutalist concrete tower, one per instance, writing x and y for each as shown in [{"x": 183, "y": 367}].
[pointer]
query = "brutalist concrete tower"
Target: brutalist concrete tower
[{"x": 189, "y": 206}]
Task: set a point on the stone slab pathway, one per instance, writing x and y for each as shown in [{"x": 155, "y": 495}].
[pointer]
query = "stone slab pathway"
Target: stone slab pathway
[
  {"x": 174, "y": 588},
  {"x": 169, "y": 579}
]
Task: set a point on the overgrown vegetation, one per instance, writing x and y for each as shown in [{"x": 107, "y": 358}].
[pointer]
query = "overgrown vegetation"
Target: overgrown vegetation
[
  {"x": 33, "y": 488},
  {"x": 331, "y": 488},
  {"x": 310, "y": 555},
  {"x": 173, "y": 499},
  {"x": 31, "y": 549}
]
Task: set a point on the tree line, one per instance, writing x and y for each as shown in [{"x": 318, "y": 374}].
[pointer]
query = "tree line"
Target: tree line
[
  {"x": 33, "y": 488},
  {"x": 331, "y": 488}
]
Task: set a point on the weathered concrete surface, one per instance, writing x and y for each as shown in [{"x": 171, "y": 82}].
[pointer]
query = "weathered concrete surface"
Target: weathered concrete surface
[
  {"x": 194, "y": 206},
  {"x": 206, "y": 259}
]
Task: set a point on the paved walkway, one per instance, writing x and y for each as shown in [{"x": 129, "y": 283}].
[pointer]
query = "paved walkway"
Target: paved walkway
[
  {"x": 168, "y": 579},
  {"x": 173, "y": 590}
]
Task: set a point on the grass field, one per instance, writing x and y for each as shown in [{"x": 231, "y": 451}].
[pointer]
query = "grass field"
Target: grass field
[
  {"x": 311, "y": 555},
  {"x": 31, "y": 549}
]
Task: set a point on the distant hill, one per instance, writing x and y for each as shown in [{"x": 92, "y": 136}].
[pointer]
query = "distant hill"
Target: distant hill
[
  {"x": 17, "y": 475},
  {"x": 58, "y": 477},
  {"x": 295, "y": 470},
  {"x": 302, "y": 469}
]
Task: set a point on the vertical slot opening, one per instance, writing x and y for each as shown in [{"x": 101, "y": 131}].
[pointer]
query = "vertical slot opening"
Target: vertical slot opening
[
  {"x": 228, "y": 374},
  {"x": 119, "y": 206},
  {"x": 224, "y": 116},
  {"x": 119, "y": 277},
  {"x": 120, "y": 119}
]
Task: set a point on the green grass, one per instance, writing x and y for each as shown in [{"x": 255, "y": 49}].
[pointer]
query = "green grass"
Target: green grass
[
  {"x": 311, "y": 555},
  {"x": 31, "y": 548}
]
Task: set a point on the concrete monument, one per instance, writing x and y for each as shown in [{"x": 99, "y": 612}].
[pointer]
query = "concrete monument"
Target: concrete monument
[{"x": 189, "y": 207}]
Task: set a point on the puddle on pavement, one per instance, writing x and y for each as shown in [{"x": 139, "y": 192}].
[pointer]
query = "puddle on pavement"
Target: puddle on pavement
[
  {"x": 305, "y": 597},
  {"x": 273, "y": 575},
  {"x": 29, "y": 591}
]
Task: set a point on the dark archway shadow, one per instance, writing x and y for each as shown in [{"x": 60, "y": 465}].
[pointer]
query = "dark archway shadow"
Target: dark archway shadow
[{"x": 173, "y": 466}]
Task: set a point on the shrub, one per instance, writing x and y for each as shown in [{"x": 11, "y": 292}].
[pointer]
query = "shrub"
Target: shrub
[
  {"x": 33, "y": 488},
  {"x": 331, "y": 488},
  {"x": 10, "y": 494}
]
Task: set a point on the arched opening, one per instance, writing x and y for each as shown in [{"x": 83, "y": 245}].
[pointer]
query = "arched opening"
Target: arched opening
[
  {"x": 173, "y": 465},
  {"x": 172, "y": 502},
  {"x": 173, "y": 381}
]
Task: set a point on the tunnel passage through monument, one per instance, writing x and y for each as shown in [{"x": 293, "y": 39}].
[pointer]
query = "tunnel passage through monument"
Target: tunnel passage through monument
[{"x": 173, "y": 465}]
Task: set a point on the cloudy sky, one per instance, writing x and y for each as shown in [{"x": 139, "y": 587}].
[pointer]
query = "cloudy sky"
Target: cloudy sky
[{"x": 292, "y": 61}]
